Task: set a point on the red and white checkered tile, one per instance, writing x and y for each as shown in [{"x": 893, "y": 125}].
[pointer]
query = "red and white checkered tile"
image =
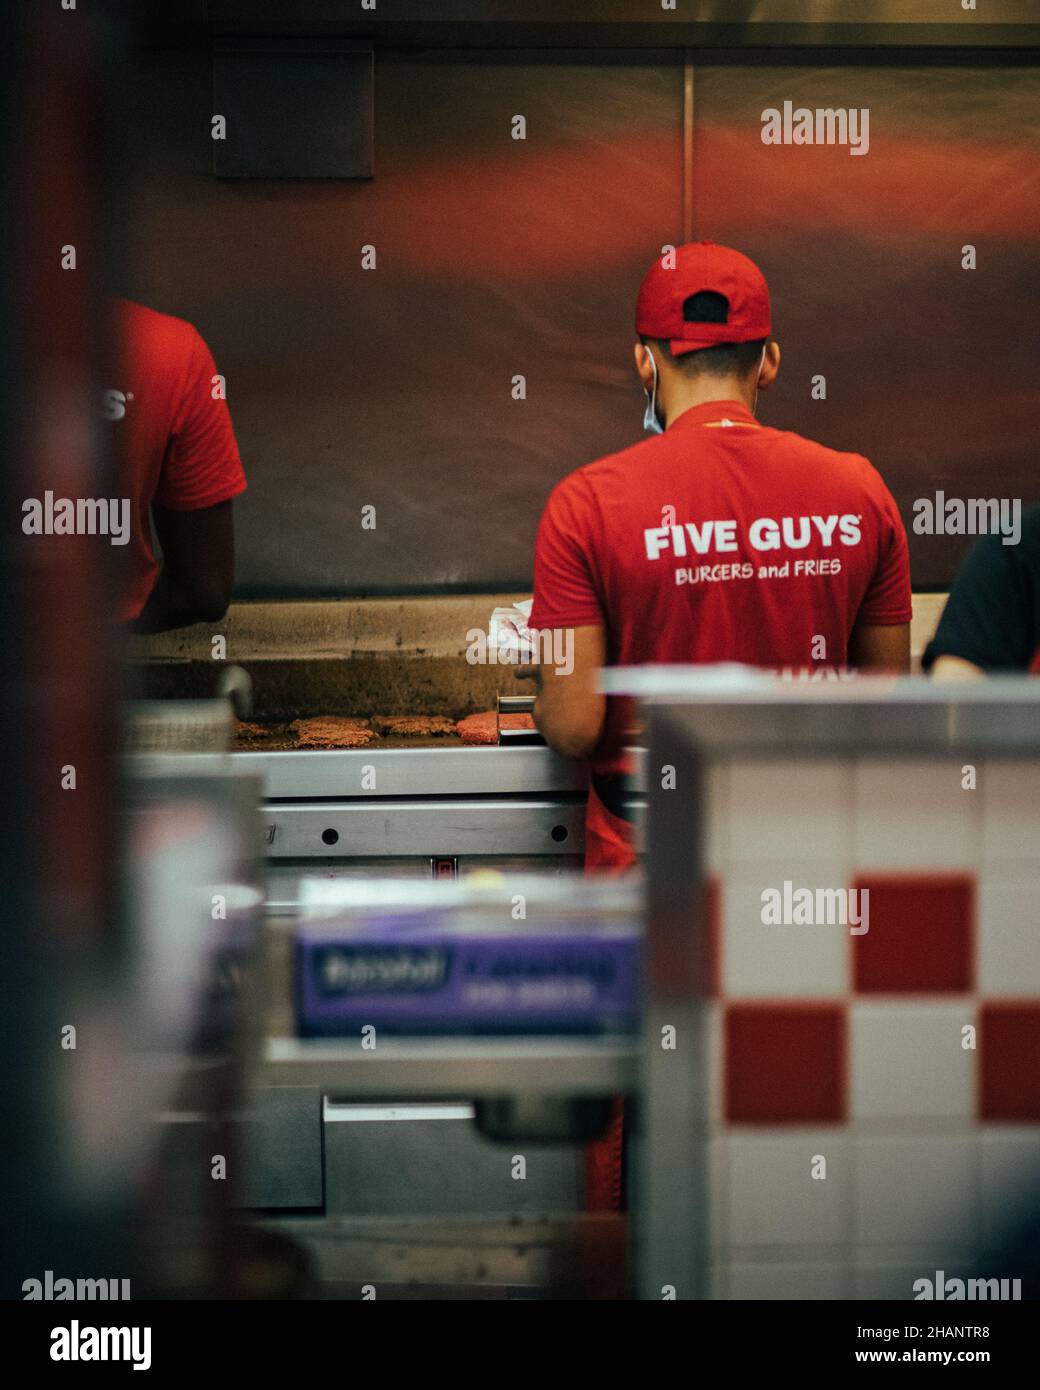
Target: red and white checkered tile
[{"x": 903, "y": 1062}]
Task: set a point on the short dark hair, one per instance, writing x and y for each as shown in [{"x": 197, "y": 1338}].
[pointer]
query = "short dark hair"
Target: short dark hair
[{"x": 727, "y": 359}]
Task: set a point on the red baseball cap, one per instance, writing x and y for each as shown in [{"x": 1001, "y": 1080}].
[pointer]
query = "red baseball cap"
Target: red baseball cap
[{"x": 700, "y": 266}]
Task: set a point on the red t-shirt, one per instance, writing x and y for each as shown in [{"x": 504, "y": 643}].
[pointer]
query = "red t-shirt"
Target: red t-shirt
[
  {"x": 175, "y": 445},
  {"x": 720, "y": 540}
]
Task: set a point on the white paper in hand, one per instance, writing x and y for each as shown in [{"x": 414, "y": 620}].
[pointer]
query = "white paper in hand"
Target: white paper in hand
[{"x": 508, "y": 631}]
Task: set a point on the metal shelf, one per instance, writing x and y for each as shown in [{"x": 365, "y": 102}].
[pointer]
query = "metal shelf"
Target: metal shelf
[{"x": 454, "y": 1068}]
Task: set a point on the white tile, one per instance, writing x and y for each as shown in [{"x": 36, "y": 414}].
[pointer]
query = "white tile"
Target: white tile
[
  {"x": 774, "y": 1198},
  {"x": 716, "y": 840},
  {"x": 1010, "y": 793},
  {"x": 788, "y": 961},
  {"x": 907, "y": 1060},
  {"x": 918, "y": 1191},
  {"x": 789, "y": 1281},
  {"x": 913, "y": 814},
  {"x": 1009, "y": 934},
  {"x": 789, "y": 810},
  {"x": 1010, "y": 1157}
]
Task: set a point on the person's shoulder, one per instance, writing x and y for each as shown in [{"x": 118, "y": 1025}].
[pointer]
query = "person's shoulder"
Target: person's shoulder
[
  {"x": 633, "y": 456},
  {"x": 994, "y": 549},
  {"x": 839, "y": 458},
  {"x": 149, "y": 328},
  {"x": 1031, "y": 526},
  {"x": 835, "y": 463},
  {"x": 582, "y": 486}
]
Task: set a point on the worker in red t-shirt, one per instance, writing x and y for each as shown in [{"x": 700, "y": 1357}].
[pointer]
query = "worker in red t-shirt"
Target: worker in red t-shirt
[
  {"x": 718, "y": 539},
  {"x": 177, "y": 462}
]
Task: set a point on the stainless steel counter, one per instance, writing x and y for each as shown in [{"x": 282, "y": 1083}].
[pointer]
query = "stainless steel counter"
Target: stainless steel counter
[
  {"x": 418, "y": 810},
  {"x": 451, "y": 1067},
  {"x": 412, "y": 772},
  {"x": 407, "y": 810}
]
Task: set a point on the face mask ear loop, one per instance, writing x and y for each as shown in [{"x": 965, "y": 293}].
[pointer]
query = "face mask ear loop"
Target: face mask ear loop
[
  {"x": 650, "y": 420},
  {"x": 761, "y": 364}
]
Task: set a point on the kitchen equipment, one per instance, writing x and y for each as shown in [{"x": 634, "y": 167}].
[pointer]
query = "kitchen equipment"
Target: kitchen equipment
[
  {"x": 491, "y": 955},
  {"x": 417, "y": 812},
  {"x": 512, "y": 737}
]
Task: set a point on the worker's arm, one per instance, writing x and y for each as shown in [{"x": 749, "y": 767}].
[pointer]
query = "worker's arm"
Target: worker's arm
[
  {"x": 569, "y": 711},
  {"x": 955, "y": 668},
  {"x": 880, "y": 636},
  {"x": 880, "y": 647},
  {"x": 198, "y": 567}
]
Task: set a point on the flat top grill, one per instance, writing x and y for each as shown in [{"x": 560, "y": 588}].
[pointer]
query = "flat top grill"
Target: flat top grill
[{"x": 280, "y": 738}]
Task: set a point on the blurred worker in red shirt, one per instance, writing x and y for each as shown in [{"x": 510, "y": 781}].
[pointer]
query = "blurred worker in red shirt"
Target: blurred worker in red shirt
[
  {"x": 178, "y": 463},
  {"x": 716, "y": 540}
]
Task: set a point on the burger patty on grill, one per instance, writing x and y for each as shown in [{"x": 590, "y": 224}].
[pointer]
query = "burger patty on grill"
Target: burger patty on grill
[
  {"x": 245, "y": 731},
  {"x": 333, "y": 731},
  {"x": 484, "y": 727},
  {"x": 412, "y": 725}
]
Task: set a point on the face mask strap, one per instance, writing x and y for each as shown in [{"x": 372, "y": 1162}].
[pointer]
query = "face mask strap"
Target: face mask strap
[
  {"x": 650, "y": 420},
  {"x": 761, "y": 364}
]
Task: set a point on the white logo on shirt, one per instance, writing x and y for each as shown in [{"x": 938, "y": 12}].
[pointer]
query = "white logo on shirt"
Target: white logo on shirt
[
  {"x": 764, "y": 533},
  {"x": 114, "y": 404}
]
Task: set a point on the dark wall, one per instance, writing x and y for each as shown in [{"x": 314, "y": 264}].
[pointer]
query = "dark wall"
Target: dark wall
[
  {"x": 926, "y": 364},
  {"x": 392, "y": 387}
]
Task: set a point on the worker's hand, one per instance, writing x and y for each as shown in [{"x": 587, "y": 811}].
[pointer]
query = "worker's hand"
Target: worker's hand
[{"x": 529, "y": 673}]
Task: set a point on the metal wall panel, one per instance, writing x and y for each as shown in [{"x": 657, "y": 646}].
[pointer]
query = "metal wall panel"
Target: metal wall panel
[
  {"x": 392, "y": 387},
  {"x": 727, "y": 23},
  {"x": 293, "y": 114},
  {"x": 497, "y": 258},
  {"x": 926, "y": 364}
]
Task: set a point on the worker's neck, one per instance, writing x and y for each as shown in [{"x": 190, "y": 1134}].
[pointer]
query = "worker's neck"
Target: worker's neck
[{"x": 684, "y": 395}]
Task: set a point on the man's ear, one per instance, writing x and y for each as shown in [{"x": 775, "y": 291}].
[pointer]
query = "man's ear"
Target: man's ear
[
  {"x": 770, "y": 367},
  {"x": 644, "y": 366}
]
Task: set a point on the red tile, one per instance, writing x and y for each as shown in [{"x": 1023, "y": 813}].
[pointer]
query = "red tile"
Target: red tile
[
  {"x": 713, "y": 912},
  {"x": 922, "y": 935},
  {"x": 784, "y": 1063},
  {"x": 1009, "y": 1061}
]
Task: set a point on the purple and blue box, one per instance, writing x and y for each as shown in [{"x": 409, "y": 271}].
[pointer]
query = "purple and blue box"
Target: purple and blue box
[{"x": 423, "y": 973}]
